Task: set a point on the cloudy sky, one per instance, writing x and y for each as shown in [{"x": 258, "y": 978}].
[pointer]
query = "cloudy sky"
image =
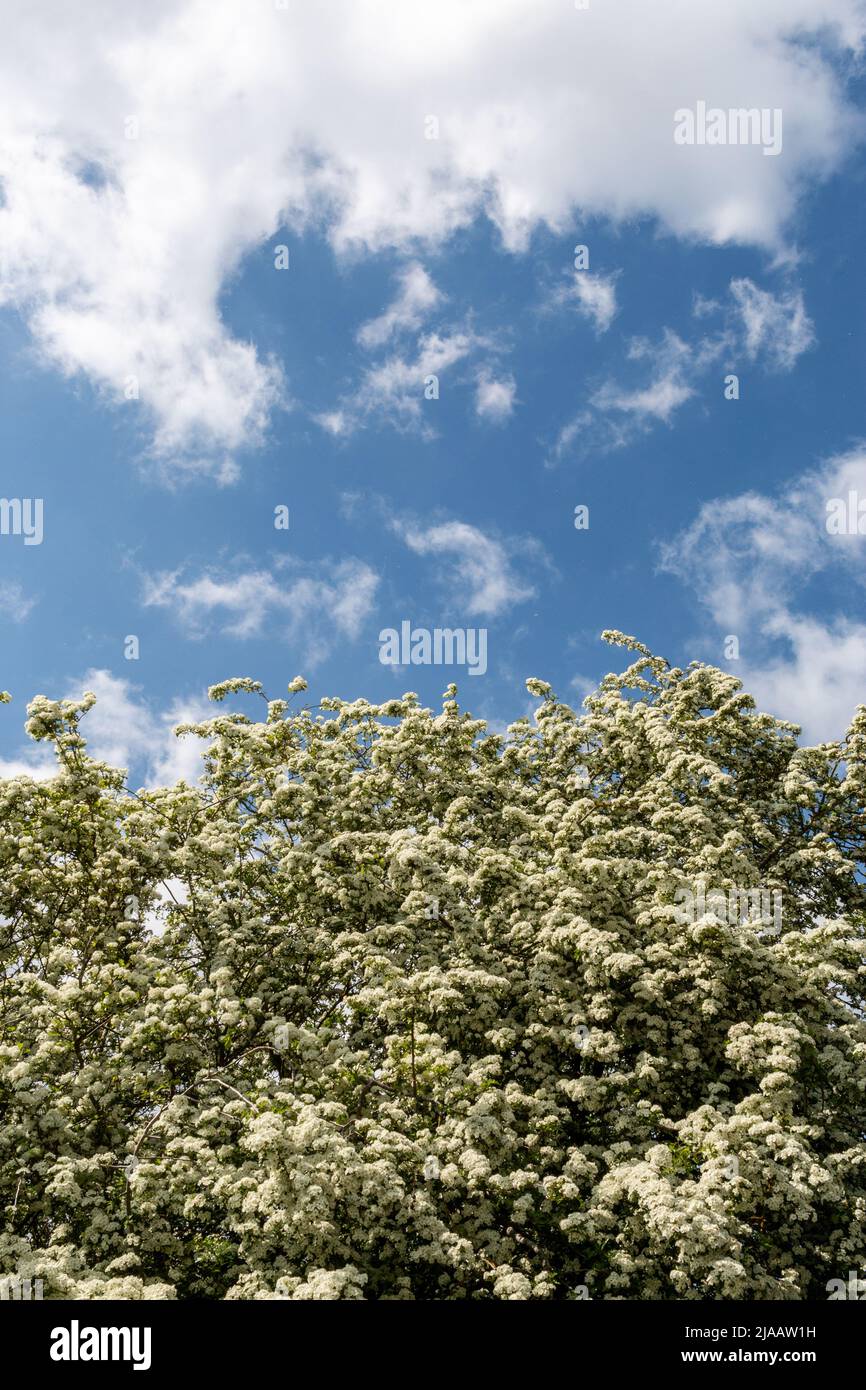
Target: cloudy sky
[{"x": 237, "y": 240}]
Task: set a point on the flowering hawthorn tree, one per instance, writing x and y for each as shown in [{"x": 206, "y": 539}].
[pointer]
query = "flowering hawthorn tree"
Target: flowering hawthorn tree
[{"x": 422, "y": 1017}]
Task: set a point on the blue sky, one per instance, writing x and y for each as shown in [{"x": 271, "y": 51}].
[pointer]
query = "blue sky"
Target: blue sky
[{"x": 304, "y": 387}]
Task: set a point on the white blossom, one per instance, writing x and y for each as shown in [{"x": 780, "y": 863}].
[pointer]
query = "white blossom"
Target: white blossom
[{"x": 308, "y": 1085}]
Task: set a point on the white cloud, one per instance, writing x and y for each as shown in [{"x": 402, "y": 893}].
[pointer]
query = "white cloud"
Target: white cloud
[
  {"x": 775, "y": 325},
  {"x": 594, "y": 296},
  {"x": 746, "y": 558},
  {"x": 35, "y": 765},
  {"x": 819, "y": 680},
  {"x": 745, "y": 555},
  {"x": 393, "y": 391},
  {"x": 245, "y": 598},
  {"x": 740, "y": 553},
  {"x": 616, "y": 414},
  {"x": 178, "y": 758},
  {"x": 659, "y": 400},
  {"x": 772, "y": 328},
  {"x": 417, "y": 295},
  {"x": 253, "y": 118},
  {"x": 569, "y": 435},
  {"x": 173, "y": 891},
  {"x": 245, "y": 603},
  {"x": 335, "y": 422},
  {"x": 583, "y": 685},
  {"x": 494, "y": 398},
  {"x": 124, "y": 729},
  {"x": 481, "y": 567},
  {"x": 15, "y": 605}
]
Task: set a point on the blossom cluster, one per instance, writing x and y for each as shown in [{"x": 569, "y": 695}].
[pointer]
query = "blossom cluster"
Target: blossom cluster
[{"x": 241, "y": 1058}]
